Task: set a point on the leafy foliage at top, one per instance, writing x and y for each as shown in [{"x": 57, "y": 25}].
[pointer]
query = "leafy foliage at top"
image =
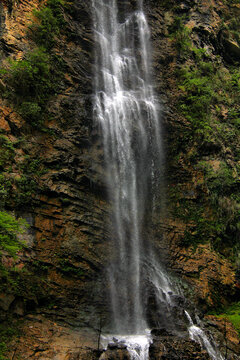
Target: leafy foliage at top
[
  {"x": 49, "y": 20},
  {"x": 33, "y": 80},
  {"x": 30, "y": 77}
]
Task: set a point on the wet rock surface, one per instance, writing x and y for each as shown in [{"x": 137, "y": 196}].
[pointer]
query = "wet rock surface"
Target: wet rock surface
[
  {"x": 171, "y": 348},
  {"x": 226, "y": 335},
  {"x": 115, "y": 354},
  {"x": 44, "y": 339}
]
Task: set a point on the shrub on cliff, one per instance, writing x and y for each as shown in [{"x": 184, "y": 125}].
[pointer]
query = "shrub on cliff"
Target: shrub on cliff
[
  {"x": 6, "y": 152},
  {"x": 49, "y": 20},
  {"x": 31, "y": 82},
  {"x": 9, "y": 228},
  {"x": 180, "y": 35},
  {"x": 31, "y": 76},
  {"x": 31, "y": 111}
]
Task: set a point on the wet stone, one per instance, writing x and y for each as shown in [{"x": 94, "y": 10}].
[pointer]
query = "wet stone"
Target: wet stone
[
  {"x": 116, "y": 345},
  {"x": 160, "y": 332},
  {"x": 117, "y": 354}
]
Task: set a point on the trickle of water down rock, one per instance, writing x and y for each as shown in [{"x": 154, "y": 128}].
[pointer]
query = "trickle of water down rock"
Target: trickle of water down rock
[{"x": 128, "y": 113}]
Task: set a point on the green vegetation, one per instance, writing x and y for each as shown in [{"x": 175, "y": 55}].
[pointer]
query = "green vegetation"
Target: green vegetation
[
  {"x": 204, "y": 84},
  {"x": 17, "y": 191},
  {"x": 6, "y": 152},
  {"x": 181, "y": 36},
  {"x": 34, "y": 79},
  {"x": 67, "y": 268},
  {"x": 40, "y": 267},
  {"x": 31, "y": 83},
  {"x": 5, "y": 190},
  {"x": 220, "y": 181},
  {"x": 222, "y": 186},
  {"x": 25, "y": 283},
  {"x": 7, "y": 333},
  {"x": 32, "y": 166},
  {"x": 27, "y": 184},
  {"x": 10, "y": 227},
  {"x": 26, "y": 188},
  {"x": 30, "y": 77},
  {"x": 203, "y": 87},
  {"x": 209, "y": 97},
  {"x": 49, "y": 21},
  {"x": 232, "y": 314}
]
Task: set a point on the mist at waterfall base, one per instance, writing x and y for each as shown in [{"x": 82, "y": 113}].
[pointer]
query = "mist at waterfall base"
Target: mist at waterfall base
[{"x": 127, "y": 111}]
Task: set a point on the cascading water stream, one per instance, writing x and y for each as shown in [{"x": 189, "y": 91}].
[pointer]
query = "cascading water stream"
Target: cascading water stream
[
  {"x": 198, "y": 335},
  {"x": 126, "y": 108},
  {"x": 127, "y": 111}
]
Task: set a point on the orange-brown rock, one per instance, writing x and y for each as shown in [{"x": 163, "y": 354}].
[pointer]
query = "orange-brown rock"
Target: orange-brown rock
[
  {"x": 211, "y": 275},
  {"x": 4, "y": 126},
  {"x": 228, "y": 335},
  {"x": 43, "y": 339}
]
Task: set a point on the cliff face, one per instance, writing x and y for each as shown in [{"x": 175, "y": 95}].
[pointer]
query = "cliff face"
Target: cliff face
[
  {"x": 52, "y": 171},
  {"x": 62, "y": 196},
  {"x": 195, "y": 70}
]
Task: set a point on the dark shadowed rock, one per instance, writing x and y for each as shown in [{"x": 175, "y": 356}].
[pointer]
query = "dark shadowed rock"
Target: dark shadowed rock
[
  {"x": 115, "y": 346},
  {"x": 174, "y": 348},
  {"x": 160, "y": 332}
]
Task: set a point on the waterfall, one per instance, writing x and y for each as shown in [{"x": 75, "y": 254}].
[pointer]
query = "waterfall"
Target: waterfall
[
  {"x": 127, "y": 111},
  {"x": 198, "y": 335}
]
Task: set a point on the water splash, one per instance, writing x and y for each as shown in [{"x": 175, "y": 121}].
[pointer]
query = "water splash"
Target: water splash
[{"x": 137, "y": 345}]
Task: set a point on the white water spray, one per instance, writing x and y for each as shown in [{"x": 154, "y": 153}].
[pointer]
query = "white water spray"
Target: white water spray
[
  {"x": 198, "y": 335},
  {"x": 137, "y": 345}
]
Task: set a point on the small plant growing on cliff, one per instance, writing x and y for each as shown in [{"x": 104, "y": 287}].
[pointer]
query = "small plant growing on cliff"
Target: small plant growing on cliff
[
  {"x": 197, "y": 96},
  {"x": 181, "y": 36},
  {"x": 10, "y": 227},
  {"x": 7, "y": 333},
  {"x": 31, "y": 111},
  {"x": 6, "y": 151}
]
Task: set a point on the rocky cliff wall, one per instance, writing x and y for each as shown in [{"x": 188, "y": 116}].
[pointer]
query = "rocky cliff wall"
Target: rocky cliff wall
[
  {"x": 55, "y": 172},
  {"x": 194, "y": 67}
]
